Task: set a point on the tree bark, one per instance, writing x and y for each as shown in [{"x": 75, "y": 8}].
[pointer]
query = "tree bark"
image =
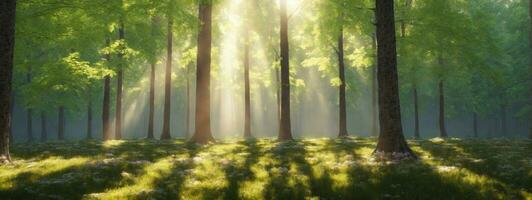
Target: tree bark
[
  {"x": 120, "y": 79},
  {"x": 374, "y": 106},
  {"x": 168, "y": 84},
  {"x": 7, "y": 44},
  {"x": 187, "y": 117},
  {"x": 89, "y": 119},
  {"x": 151, "y": 103},
  {"x": 416, "y": 114},
  {"x": 106, "y": 100},
  {"x": 285, "y": 130},
  {"x": 61, "y": 123},
  {"x": 202, "y": 134},
  {"x": 504, "y": 129},
  {"x": 247, "y": 94},
  {"x": 29, "y": 119},
  {"x": 44, "y": 133},
  {"x": 341, "y": 70},
  {"x": 443, "y": 131},
  {"x": 392, "y": 143},
  {"x": 475, "y": 125},
  {"x": 530, "y": 60}
]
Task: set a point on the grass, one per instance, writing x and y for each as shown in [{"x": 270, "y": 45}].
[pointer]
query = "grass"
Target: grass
[{"x": 266, "y": 169}]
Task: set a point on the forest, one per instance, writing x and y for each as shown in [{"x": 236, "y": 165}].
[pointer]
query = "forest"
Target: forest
[{"x": 265, "y": 99}]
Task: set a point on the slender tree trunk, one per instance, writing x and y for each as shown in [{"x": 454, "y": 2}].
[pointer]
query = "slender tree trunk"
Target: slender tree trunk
[
  {"x": 374, "y": 106},
  {"x": 202, "y": 132},
  {"x": 120, "y": 79},
  {"x": 168, "y": 84},
  {"x": 106, "y": 100},
  {"x": 443, "y": 131},
  {"x": 44, "y": 133},
  {"x": 285, "y": 130},
  {"x": 530, "y": 58},
  {"x": 475, "y": 125},
  {"x": 7, "y": 44},
  {"x": 11, "y": 109},
  {"x": 341, "y": 69},
  {"x": 247, "y": 94},
  {"x": 278, "y": 95},
  {"x": 29, "y": 124},
  {"x": 504, "y": 129},
  {"x": 61, "y": 123},
  {"x": 89, "y": 119},
  {"x": 151, "y": 103},
  {"x": 392, "y": 143},
  {"x": 416, "y": 113},
  {"x": 187, "y": 120},
  {"x": 29, "y": 119}
]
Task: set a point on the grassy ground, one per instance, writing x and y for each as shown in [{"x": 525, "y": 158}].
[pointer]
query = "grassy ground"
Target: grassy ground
[{"x": 265, "y": 169}]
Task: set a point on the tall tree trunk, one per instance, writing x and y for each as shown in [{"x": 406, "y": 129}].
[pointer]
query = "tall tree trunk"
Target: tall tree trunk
[
  {"x": 187, "y": 117},
  {"x": 374, "y": 106},
  {"x": 168, "y": 84},
  {"x": 443, "y": 131},
  {"x": 89, "y": 119},
  {"x": 504, "y": 130},
  {"x": 285, "y": 130},
  {"x": 120, "y": 79},
  {"x": 151, "y": 103},
  {"x": 29, "y": 119},
  {"x": 7, "y": 44},
  {"x": 278, "y": 95},
  {"x": 392, "y": 143},
  {"x": 44, "y": 133},
  {"x": 416, "y": 113},
  {"x": 247, "y": 94},
  {"x": 202, "y": 132},
  {"x": 530, "y": 58},
  {"x": 341, "y": 70},
  {"x": 106, "y": 100},
  {"x": 29, "y": 124},
  {"x": 61, "y": 123},
  {"x": 475, "y": 124}
]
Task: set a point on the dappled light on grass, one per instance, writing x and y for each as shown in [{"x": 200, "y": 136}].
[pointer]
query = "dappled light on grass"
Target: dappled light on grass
[{"x": 267, "y": 169}]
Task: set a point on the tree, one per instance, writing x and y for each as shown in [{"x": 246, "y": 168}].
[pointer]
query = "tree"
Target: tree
[
  {"x": 106, "y": 106},
  {"x": 167, "y": 85},
  {"x": 202, "y": 132},
  {"x": 530, "y": 40},
  {"x": 247, "y": 94},
  {"x": 119, "y": 89},
  {"x": 285, "y": 130},
  {"x": 391, "y": 141},
  {"x": 7, "y": 41},
  {"x": 29, "y": 121}
]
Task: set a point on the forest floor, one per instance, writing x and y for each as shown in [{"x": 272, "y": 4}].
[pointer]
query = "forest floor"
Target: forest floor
[{"x": 266, "y": 169}]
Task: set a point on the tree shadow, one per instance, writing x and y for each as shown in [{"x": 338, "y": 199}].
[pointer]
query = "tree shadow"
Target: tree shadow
[{"x": 236, "y": 174}]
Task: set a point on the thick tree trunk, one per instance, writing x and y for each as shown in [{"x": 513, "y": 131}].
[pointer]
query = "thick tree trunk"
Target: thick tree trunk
[
  {"x": 61, "y": 123},
  {"x": 168, "y": 84},
  {"x": 120, "y": 79},
  {"x": 106, "y": 101},
  {"x": 44, "y": 133},
  {"x": 416, "y": 114},
  {"x": 374, "y": 106},
  {"x": 89, "y": 119},
  {"x": 7, "y": 44},
  {"x": 392, "y": 143},
  {"x": 441, "y": 92},
  {"x": 151, "y": 103},
  {"x": 247, "y": 94},
  {"x": 285, "y": 130},
  {"x": 202, "y": 132},
  {"x": 475, "y": 125},
  {"x": 341, "y": 70}
]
